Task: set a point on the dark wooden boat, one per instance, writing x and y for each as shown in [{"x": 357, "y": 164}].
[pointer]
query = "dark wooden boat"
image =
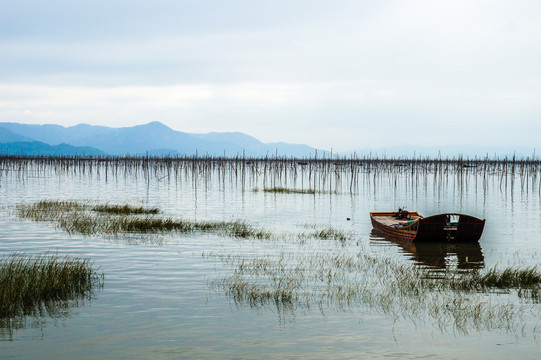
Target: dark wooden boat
[{"x": 414, "y": 227}]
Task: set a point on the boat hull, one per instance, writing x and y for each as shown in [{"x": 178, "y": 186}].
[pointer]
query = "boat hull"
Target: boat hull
[{"x": 432, "y": 228}]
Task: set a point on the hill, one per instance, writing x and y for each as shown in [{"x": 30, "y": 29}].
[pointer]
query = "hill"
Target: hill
[
  {"x": 38, "y": 148},
  {"x": 153, "y": 138}
]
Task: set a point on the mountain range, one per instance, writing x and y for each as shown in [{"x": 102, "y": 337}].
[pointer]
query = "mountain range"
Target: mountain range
[
  {"x": 157, "y": 139},
  {"x": 153, "y": 138}
]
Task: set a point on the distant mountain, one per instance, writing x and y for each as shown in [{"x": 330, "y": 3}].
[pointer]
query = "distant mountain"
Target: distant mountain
[
  {"x": 153, "y": 138},
  {"x": 7, "y": 136},
  {"x": 55, "y": 134},
  {"x": 39, "y": 148},
  {"x": 237, "y": 139}
]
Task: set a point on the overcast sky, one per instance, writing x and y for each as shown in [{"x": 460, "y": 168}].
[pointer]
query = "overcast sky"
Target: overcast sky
[{"x": 331, "y": 74}]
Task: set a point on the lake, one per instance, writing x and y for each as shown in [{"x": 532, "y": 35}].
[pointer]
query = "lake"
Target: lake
[{"x": 171, "y": 295}]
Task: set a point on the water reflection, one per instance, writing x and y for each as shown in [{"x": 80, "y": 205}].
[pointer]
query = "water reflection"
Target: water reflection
[
  {"x": 37, "y": 319},
  {"x": 438, "y": 255}
]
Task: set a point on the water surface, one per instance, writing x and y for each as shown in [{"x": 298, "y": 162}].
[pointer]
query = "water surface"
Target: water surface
[{"x": 157, "y": 303}]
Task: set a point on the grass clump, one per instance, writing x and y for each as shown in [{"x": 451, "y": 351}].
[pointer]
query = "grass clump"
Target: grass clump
[
  {"x": 30, "y": 284},
  {"x": 116, "y": 220},
  {"x": 124, "y": 209},
  {"x": 48, "y": 210},
  {"x": 283, "y": 190},
  {"x": 240, "y": 229},
  {"x": 330, "y": 234},
  {"x": 511, "y": 278},
  {"x": 282, "y": 291},
  {"x": 527, "y": 281},
  {"x": 118, "y": 225}
]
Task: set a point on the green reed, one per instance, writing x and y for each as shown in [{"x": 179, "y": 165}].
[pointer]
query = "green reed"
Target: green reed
[
  {"x": 508, "y": 278},
  {"x": 330, "y": 233},
  {"x": 283, "y": 190},
  {"x": 527, "y": 281},
  {"x": 124, "y": 209},
  {"x": 77, "y": 218},
  {"x": 400, "y": 290},
  {"x": 118, "y": 225},
  {"x": 48, "y": 210},
  {"x": 30, "y": 284}
]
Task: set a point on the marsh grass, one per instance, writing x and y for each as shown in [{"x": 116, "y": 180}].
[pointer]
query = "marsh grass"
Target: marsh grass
[
  {"x": 284, "y": 190},
  {"x": 118, "y": 220},
  {"x": 526, "y": 281},
  {"x": 124, "y": 209},
  {"x": 118, "y": 225},
  {"x": 508, "y": 278},
  {"x": 401, "y": 290},
  {"x": 328, "y": 233},
  {"x": 126, "y": 220},
  {"x": 48, "y": 210},
  {"x": 32, "y": 285}
]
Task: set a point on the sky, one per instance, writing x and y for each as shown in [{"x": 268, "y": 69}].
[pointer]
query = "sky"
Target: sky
[{"x": 339, "y": 75}]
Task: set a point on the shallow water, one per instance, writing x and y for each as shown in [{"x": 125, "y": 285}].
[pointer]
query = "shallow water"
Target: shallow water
[{"x": 157, "y": 303}]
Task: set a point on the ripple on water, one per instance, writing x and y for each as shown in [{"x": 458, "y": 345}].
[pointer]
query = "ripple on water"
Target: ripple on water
[{"x": 156, "y": 301}]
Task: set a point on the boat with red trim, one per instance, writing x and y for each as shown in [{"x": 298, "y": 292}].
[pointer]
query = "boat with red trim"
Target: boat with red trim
[{"x": 412, "y": 226}]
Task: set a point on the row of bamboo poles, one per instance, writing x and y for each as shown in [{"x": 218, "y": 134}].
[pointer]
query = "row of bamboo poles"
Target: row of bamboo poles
[{"x": 319, "y": 174}]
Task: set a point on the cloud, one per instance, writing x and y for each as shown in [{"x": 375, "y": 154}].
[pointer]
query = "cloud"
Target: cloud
[{"x": 318, "y": 72}]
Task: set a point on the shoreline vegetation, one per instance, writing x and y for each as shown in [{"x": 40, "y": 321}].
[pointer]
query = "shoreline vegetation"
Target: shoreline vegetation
[{"x": 284, "y": 190}]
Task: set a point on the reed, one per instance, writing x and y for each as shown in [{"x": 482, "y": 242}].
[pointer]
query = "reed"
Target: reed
[
  {"x": 124, "y": 209},
  {"x": 282, "y": 190},
  {"x": 401, "y": 290},
  {"x": 51, "y": 209},
  {"x": 31, "y": 284},
  {"x": 116, "y": 220},
  {"x": 118, "y": 225},
  {"x": 48, "y": 210},
  {"x": 328, "y": 233},
  {"x": 527, "y": 281},
  {"x": 77, "y": 218}
]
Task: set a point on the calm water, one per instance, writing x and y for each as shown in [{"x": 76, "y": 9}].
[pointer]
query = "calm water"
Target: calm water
[{"x": 156, "y": 302}]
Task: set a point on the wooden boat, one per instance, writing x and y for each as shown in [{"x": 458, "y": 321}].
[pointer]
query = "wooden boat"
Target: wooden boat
[{"x": 412, "y": 226}]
